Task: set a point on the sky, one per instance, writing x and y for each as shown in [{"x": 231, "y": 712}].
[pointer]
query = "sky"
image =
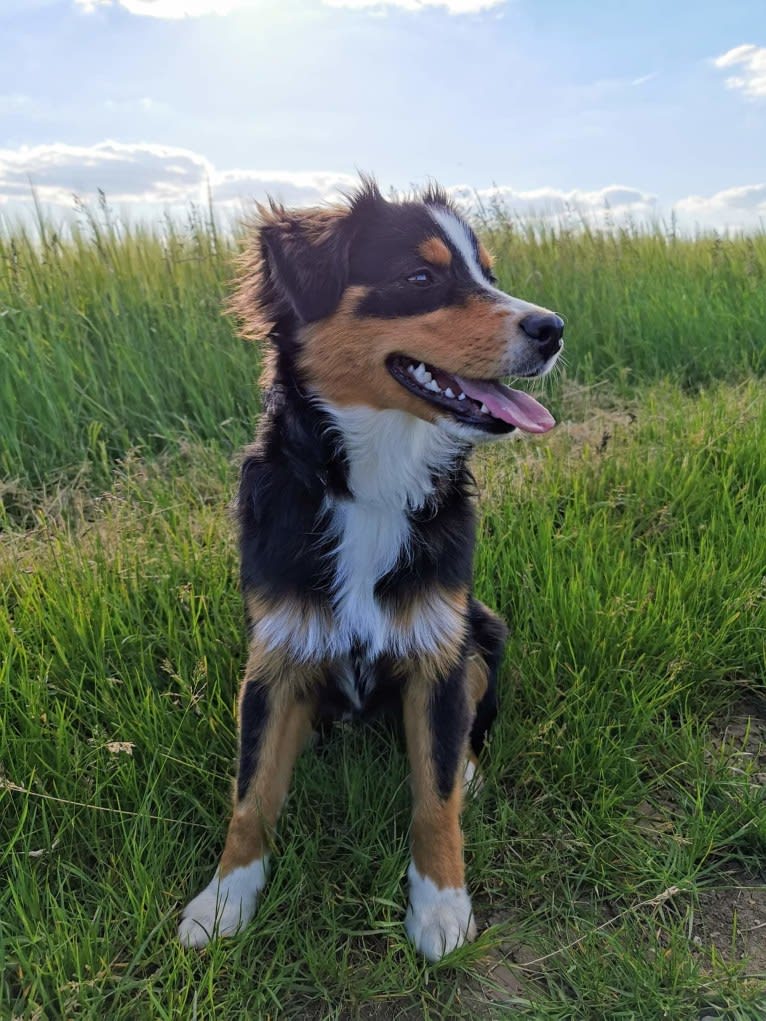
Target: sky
[{"x": 601, "y": 108}]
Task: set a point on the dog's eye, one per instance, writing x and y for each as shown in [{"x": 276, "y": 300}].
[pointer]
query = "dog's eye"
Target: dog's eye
[{"x": 421, "y": 278}]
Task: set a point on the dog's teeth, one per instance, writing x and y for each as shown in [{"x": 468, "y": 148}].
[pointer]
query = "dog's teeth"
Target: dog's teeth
[
  {"x": 461, "y": 397},
  {"x": 411, "y": 369},
  {"x": 420, "y": 373},
  {"x": 427, "y": 377},
  {"x": 448, "y": 392},
  {"x": 484, "y": 409},
  {"x": 433, "y": 386}
]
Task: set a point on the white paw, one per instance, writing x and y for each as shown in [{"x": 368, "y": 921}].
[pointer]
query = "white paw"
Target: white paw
[
  {"x": 224, "y": 907},
  {"x": 437, "y": 920}
]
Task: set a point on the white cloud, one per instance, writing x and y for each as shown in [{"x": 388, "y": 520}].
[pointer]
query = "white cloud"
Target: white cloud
[
  {"x": 615, "y": 203},
  {"x": 168, "y": 176},
  {"x": 148, "y": 179},
  {"x": 451, "y": 6},
  {"x": 645, "y": 78},
  {"x": 148, "y": 175},
  {"x": 740, "y": 208},
  {"x": 175, "y": 9},
  {"x": 751, "y": 62},
  {"x": 170, "y": 9},
  {"x": 299, "y": 189},
  {"x": 127, "y": 173}
]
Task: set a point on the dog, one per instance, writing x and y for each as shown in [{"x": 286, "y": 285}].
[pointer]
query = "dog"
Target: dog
[{"x": 388, "y": 336}]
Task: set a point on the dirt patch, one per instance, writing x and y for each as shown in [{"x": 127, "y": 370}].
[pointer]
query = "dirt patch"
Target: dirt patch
[
  {"x": 589, "y": 429},
  {"x": 501, "y": 988},
  {"x": 740, "y": 737},
  {"x": 731, "y": 918}
]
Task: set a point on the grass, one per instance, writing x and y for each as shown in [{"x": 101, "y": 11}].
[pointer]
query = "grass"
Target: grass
[
  {"x": 112, "y": 336},
  {"x": 627, "y": 550}
]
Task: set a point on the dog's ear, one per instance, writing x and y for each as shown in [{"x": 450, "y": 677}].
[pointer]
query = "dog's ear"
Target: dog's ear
[
  {"x": 305, "y": 261},
  {"x": 296, "y": 263},
  {"x": 306, "y": 257}
]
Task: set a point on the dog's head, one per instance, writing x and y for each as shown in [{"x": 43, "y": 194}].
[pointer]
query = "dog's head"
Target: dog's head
[{"x": 393, "y": 305}]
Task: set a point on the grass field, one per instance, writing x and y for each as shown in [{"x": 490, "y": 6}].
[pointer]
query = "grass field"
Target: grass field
[{"x": 616, "y": 851}]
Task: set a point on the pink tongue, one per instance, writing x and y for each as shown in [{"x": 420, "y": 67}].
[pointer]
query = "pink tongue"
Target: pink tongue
[{"x": 512, "y": 406}]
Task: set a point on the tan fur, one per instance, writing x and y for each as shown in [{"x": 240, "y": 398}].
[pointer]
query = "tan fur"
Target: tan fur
[
  {"x": 477, "y": 682},
  {"x": 257, "y": 606},
  {"x": 437, "y": 840},
  {"x": 268, "y": 369},
  {"x": 276, "y": 668},
  {"x": 301, "y": 617},
  {"x": 254, "y": 818},
  {"x": 441, "y": 662},
  {"x": 344, "y": 355},
  {"x": 435, "y": 251},
  {"x": 485, "y": 258}
]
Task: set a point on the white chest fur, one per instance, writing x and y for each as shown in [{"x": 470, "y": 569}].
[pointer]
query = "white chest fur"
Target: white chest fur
[
  {"x": 392, "y": 459},
  {"x": 370, "y": 540}
]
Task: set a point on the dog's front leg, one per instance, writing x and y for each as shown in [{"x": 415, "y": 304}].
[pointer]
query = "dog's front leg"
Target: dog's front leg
[
  {"x": 275, "y": 720},
  {"x": 437, "y": 720}
]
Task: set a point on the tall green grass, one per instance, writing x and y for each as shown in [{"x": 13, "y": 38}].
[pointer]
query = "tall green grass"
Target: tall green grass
[
  {"x": 644, "y": 304},
  {"x": 112, "y": 336}
]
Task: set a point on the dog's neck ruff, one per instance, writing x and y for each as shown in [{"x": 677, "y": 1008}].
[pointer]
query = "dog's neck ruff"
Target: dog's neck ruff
[
  {"x": 394, "y": 463},
  {"x": 393, "y": 458}
]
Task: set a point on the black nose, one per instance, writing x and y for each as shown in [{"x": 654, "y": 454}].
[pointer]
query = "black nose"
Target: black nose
[{"x": 545, "y": 328}]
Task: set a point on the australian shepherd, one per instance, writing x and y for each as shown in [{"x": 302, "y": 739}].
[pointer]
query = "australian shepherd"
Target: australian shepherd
[{"x": 388, "y": 340}]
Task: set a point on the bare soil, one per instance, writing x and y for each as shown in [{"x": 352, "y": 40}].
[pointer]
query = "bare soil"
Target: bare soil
[{"x": 731, "y": 918}]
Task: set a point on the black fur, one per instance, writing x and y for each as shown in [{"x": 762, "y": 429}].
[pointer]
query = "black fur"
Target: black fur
[
  {"x": 449, "y": 719},
  {"x": 307, "y": 271},
  {"x": 489, "y": 635},
  {"x": 254, "y": 709},
  {"x": 379, "y": 685},
  {"x": 283, "y": 480},
  {"x": 441, "y": 552},
  {"x": 384, "y": 252}
]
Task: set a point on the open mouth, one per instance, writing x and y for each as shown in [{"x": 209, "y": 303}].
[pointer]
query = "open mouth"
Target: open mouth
[{"x": 482, "y": 403}]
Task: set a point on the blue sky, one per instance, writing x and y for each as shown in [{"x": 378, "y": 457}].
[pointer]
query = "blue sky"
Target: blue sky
[{"x": 650, "y": 106}]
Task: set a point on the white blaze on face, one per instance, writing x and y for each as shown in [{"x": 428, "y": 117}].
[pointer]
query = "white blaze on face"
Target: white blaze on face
[{"x": 459, "y": 234}]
